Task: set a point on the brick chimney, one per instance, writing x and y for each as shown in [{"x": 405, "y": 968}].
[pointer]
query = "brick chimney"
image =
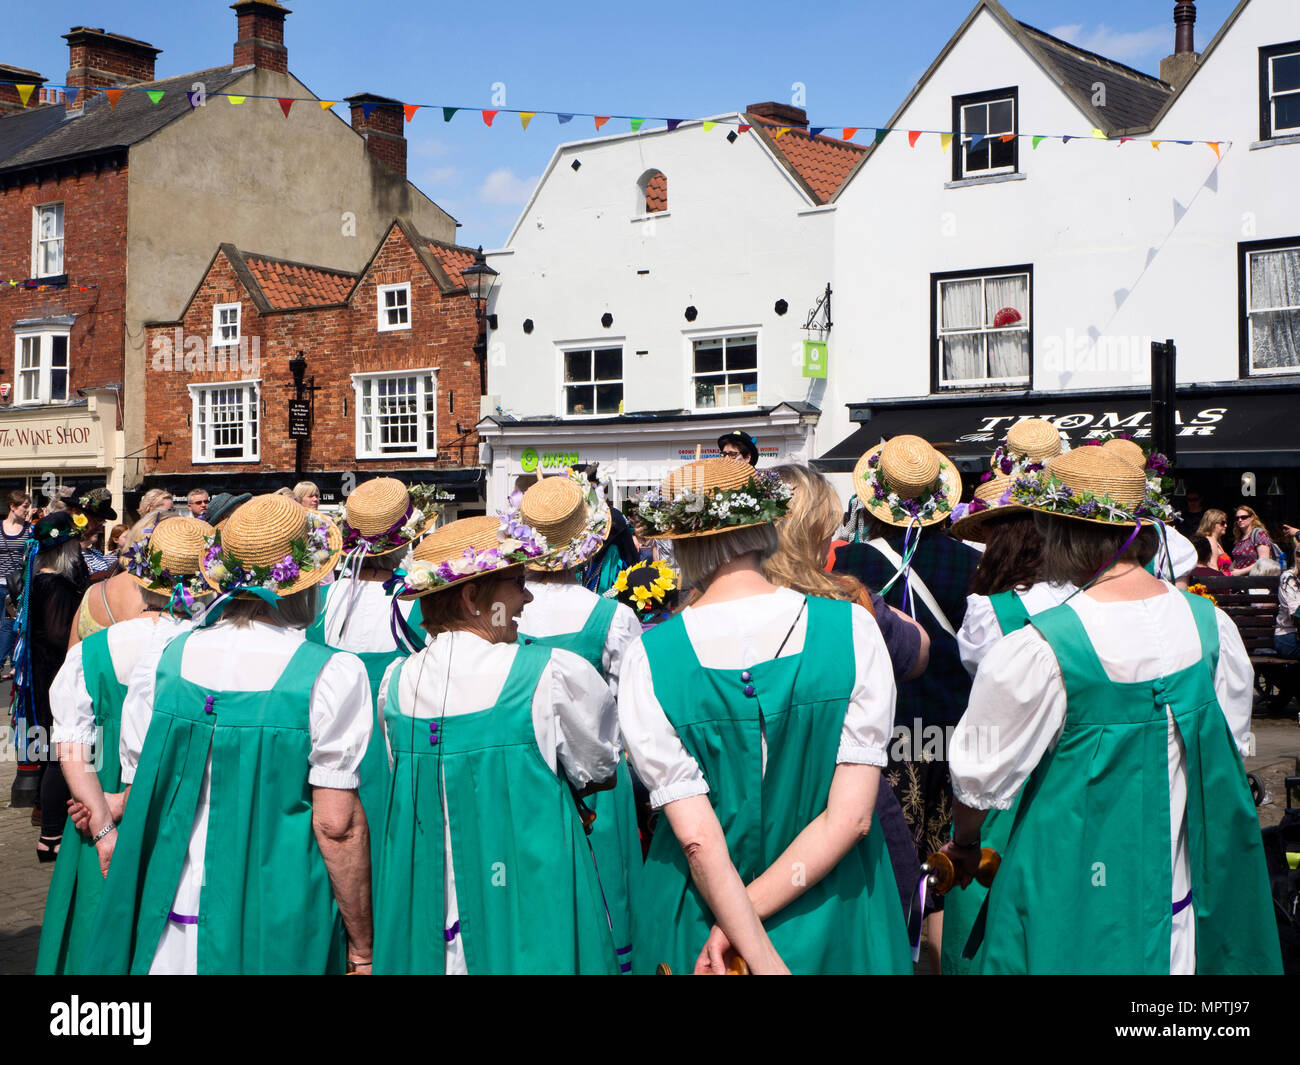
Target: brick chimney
[
  {"x": 260, "y": 41},
  {"x": 384, "y": 130},
  {"x": 1177, "y": 68},
  {"x": 779, "y": 114},
  {"x": 97, "y": 59},
  {"x": 10, "y": 101}
]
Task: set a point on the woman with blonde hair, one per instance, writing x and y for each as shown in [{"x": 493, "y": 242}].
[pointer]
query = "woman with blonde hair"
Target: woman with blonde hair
[
  {"x": 1214, "y": 527},
  {"x": 307, "y": 494},
  {"x": 1252, "y": 542}
]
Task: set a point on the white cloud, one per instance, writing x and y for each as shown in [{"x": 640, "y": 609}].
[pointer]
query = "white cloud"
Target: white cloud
[
  {"x": 503, "y": 187},
  {"x": 429, "y": 147},
  {"x": 444, "y": 175},
  {"x": 1126, "y": 47}
]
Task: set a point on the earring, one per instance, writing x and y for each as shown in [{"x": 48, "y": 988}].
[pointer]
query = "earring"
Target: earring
[{"x": 478, "y": 613}]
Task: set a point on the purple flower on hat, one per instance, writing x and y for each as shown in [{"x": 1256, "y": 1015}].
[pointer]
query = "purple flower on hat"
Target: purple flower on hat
[
  {"x": 874, "y": 461},
  {"x": 1087, "y": 509},
  {"x": 987, "y": 475},
  {"x": 911, "y": 506},
  {"x": 1158, "y": 464},
  {"x": 878, "y": 490},
  {"x": 1093, "y": 443},
  {"x": 285, "y": 571},
  {"x": 1006, "y": 465}
]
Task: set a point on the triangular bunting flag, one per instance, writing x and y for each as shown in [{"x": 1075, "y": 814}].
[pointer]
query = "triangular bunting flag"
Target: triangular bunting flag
[
  {"x": 447, "y": 112},
  {"x": 816, "y": 131},
  {"x": 73, "y": 92},
  {"x": 193, "y": 98},
  {"x": 976, "y": 140},
  {"x": 1212, "y": 180},
  {"x": 600, "y": 120},
  {"x": 285, "y": 104},
  {"x": 850, "y": 132},
  {"x": 1038, "y": 141},
  {"x": 1182, "y": 142},
  {"x": 1125, "y": 140},
  {"x": 488, "y": 116},
  {"x": 708, "y": 126},
  {"x": 155, "y": 95},
  {"x": 742, "y": 128},
  {"x": 913, "y": 135},
  {"x": 673, "y": 123},
  {"x": 525, "y": 117},
  {"x": 1007, "y": 138},
  {"x": 1215, "y": 146},
  {"x": 1098, "y": 135},
  {"x": 325, "y": 105},
  {"x": 366, "y": 109},
  {"x": 881, "y": 134},
  {"x": 235, "y": 101},
  {"x": 945, "y": 139},
  {"x": 1066, "y": 140},
  {"x": 564, "y": 118},
  {"x": 113, "y": 96},
  {"x": 781, "y": 132},
  {"x": 410, "y": 110},
  {"x": 1155, "y": 145},
  {"x": 636, "y": 123},
  {"x": 1179, "y": 211},
  {"x": 1151, "y": 255},
  {"x": 25, "y": 92}
]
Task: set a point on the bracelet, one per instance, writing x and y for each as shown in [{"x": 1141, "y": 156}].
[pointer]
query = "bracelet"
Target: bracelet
[{"x": 110, "y": 827}]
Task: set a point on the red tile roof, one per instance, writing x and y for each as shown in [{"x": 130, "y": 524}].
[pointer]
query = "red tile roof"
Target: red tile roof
[
  {"x": 656, "y": 193},
  {"x": 296, "y": 285},
  {"x": 452, "y": 258},
  {"x": 822, "y": 163}
]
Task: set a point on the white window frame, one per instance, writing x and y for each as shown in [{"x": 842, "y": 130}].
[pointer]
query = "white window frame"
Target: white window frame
[
  {"x": 1012, "y": 97},
  {"x": 430, "y": 411},
  {"x": 986, "y": 330},
  {"x": 38, "y": 241},
  {"x": 739, "y": 333},
  {"x": 1251, "y": 311},
  {"x": 565, "y": 350},
  {"x": 44, "y": 368},
  {"x": 381, "y": 291},
  {"x": 219, "y": 339},
  {"x": 251, "y": 404},
  {"x": 1273, "y": 128}
]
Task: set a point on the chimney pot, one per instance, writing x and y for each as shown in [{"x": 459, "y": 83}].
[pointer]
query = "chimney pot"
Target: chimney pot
[
  {"x": 10, "y": 101},
  {"x": 1184, "y": 27},
  {"x": 259, "y": 40}
]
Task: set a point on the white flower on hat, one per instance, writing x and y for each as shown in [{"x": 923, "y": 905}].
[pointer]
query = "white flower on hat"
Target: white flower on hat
[{"x": 420, "y": 575}]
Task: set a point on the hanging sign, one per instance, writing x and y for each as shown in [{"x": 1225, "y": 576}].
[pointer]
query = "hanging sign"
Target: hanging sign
[
  {"x": 299, "y": 419},
  {"x": 814, "y": 358}
]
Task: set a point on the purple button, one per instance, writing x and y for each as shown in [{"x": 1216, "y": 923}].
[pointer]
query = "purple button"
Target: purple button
[
  {"x": 745, "y": 676},
  {"x": 433, "y": 740},
  {"x": 749, "y": 689}
]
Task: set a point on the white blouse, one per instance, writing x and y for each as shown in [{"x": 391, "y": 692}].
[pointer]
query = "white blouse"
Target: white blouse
[
  {"x": 561, "y": 609},
  {"x": 247, "y": 659},
  {"x": 128, "y": 642},
  {"x": 981, "y": 630},
  {"x": 574, "y": 721},
  {"x": 1179, "y": 560},
  {"x": 358, "y": 615},
  {"x": 1017, "y": 712},
  {"x": 737, "y": 635}
]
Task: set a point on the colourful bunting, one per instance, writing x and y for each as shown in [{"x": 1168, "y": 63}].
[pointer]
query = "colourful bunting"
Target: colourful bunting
[
  {"x": 73, "y": 92},
  {"x": 447, "y": 112},
  {"x": 708, "y": 126},
  {"x": 25, "y": 92},
  {"x": 1215, "y": 146},
  {"x": 1156, "y": 145},
  {"x": 235, "y": 101},
  {"x": 155, "y": 96},
  {"x": 564, "y": 118},
  {"x": 1125, "y": 140},
  {"x": 849, "y": 132},
  {"x": 1007, "y": 138},
  {"x": 325, "y": 105},
  {"x": 945, "y": 139},
  {"x": 742, "y": 128},
  {"x": 600, "y": 120},
  {"x": 1038, "y": 141},
  {"x": 816, "y": 131},
  {"x": 113, "y": 96},
  {"x": 488, "y": 116},
  {"x": 781, "y": 132},
  {"x": 1066, "y": 140},
  {"x": 976, "y": 140},
  {"x": 366, "y": 109},
  {"x": 195, "y": 97},
  {"x": 525, "y": 117},
  {"x": 1185, "y": 142},
  {"x": 1098, "y": 135},
  {"x": 410, "y": 110},
  {"x": 913, "y": 135},
  {"x": 285, "y": 104},
  {"x": 636, "y": 123},
  {"x": 881, "y": 134},
  {"x": 673, "y": 123}
]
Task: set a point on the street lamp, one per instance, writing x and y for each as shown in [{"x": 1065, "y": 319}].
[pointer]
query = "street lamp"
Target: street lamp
[{"x": 479, "y": 279}]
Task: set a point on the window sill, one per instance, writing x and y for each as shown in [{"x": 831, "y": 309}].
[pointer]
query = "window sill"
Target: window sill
[
  {"x": 991, "y": 179},
  {"x": 225, "y": 462},
  {"x": 1273, "y": 142},
  {"x": 404, "y": 456},
  {"x": 650, "y": 217},
  {"x": 1007, "y": 387},
  {"x": 395, "y": 328}
]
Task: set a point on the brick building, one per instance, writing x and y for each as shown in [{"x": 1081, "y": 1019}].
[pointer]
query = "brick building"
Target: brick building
[
  {"x": 390, "y": 351},
  {"x": 78, "y": 283}
]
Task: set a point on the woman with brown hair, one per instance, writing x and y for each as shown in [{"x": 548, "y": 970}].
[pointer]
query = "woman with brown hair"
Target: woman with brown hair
[
  {"x": 1214, "y": 527},
  {"x": 1252, "y": 543},
  {"x": 118, "y": 597}
]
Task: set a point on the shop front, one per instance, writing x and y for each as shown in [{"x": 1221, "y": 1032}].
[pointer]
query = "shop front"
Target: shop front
[
  {"x": 1234, "y": 443},
  {"x": 79, "y": 444},
  {"x": 635, "y": 451}
]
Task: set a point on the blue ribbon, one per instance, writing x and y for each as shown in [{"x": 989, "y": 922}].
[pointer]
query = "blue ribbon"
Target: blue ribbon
[{"x": 219, "y": 604}]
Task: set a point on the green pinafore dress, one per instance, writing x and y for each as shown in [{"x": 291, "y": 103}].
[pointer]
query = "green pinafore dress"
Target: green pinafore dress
[
  {"x": 266, "y": 904},
  {"x": 1085, "y": 881},
  {"x": 615, "y": 840},
  {"x": 962, "y": 905},
  {"x": 76, "y": 886},
  {"x": 526, "y": 890},
  {"x": 846, "y": 923}
]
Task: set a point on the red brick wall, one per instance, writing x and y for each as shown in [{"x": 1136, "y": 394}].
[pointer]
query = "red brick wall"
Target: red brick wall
[
  {"x": 94, "y": 256},
  {"x": 336, "y": 343},
  {"x": 260, "y": 41},
  {"x": 100, "y": 64}
]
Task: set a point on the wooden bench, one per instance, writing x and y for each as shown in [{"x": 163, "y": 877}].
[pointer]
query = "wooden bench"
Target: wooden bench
[{"x": 1252, "y": 602}]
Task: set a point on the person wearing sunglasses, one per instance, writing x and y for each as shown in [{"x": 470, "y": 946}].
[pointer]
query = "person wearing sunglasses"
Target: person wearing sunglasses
[{"x": 1252, "y": 542}]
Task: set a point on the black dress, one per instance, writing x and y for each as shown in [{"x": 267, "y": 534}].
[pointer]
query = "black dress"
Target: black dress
[{"x": 54, "y": 603}]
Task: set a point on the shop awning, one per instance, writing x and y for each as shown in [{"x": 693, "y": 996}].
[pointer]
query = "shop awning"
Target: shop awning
[{"x": 1223, "y": 427}]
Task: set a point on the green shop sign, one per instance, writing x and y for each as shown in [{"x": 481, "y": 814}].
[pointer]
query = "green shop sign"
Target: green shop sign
[
  {"x": 814, "y": 358},
  {"x": 530, "y": 459}
]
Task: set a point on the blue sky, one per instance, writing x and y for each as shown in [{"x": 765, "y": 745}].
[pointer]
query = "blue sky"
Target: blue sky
[{"x": 856, "y": 59}]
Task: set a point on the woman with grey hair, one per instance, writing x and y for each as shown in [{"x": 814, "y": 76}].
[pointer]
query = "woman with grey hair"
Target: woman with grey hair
[{"x": 759, "y": 719}]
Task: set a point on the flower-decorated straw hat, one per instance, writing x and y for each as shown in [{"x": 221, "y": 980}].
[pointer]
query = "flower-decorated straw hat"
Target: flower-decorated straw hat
[
  {"x": 1128, "y": 450},
  {"x": 712, "y": 496},
  {"x": 469, "y": 548},
  {"x": 273, "y": 543},
  {"x": 168, "y": 558},
  {"x": 1093, "y": 484},
  {"x": 380, "y": 517},
  {"x": 992, "y": 499},
  {"x": 1027, "y": 447},
  {"x": 905, "y": 481},
  {"x": 557, "y": 508}
]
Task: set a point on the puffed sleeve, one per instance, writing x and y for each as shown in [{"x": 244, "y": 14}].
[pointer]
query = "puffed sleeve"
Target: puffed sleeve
[
  {"x": 1234, "y": 681},
  {"x": 381, "y": 702},
  {"x": 980, "y": 630},
  {"x": 622, "y": 631},
  {"x": 70, "y": 703},
  {"x": 586, "y": 735},
  {"x": 869, "y": 719},
  {"x": 340, "y": 723},
  {"x": 656, "y": 751},
  {"x": 137, "y": 711},
  {"x": 1015, "y": 714}
]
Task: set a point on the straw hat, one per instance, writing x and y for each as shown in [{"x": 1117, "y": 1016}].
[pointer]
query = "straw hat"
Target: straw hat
[
  {"x": 910, "y": 470},
  {"x": 464, "y": 550},
  {"x": 272, "y": 533},
  {"x": 180, "y": 544},
  {"x": 969, "y": 519},
  {"x": 1127, "y": 450},
  {"x": 1097, "y": 473},
  {"x": 687, "y": 504},
  {"x": 381, "y": 517},
  {"x": 1034, "y": 439},
  {"x": 557, "y": 508}
]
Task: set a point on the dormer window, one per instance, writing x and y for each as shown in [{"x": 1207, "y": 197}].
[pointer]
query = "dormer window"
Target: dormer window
[
  {"x": 1279, "y": 91},
  {"x": 652, "y": 192},
  {"x": 987, "y": 124}
]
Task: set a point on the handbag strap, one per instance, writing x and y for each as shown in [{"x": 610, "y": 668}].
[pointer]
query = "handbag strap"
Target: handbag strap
[{"x": 917, "y": 584}]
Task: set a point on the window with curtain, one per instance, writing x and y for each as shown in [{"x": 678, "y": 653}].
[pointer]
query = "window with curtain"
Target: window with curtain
[
  {"x": 396, "y": 414},
  {"x": 47, "y": 241},
  {"x": 1272, "y": 277},
  {"x": 42, "y": 368},
  {"x": 1279, "y": 90},
  {"x": 982, "y": 322},
  {"x": 225, "y": 421}
]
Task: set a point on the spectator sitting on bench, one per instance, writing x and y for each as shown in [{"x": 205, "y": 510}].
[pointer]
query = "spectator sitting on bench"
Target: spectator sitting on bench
[
  {"x": 1265, "y": 567},
  {"x": 1204, "y": 558}
]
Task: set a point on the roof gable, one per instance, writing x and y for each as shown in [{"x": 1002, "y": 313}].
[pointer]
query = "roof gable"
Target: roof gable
[
  {"x": 820, "y": 164},
  {"x": 297, "y": 286}
]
